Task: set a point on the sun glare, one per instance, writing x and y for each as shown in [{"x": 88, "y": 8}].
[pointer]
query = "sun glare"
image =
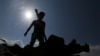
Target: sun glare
[{"x": 28, "y": 15}]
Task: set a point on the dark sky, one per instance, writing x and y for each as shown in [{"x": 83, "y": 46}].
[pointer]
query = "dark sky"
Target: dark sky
[{"x": 79, "y": 19}]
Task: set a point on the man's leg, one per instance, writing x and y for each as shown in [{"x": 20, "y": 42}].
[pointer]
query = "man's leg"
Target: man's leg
[
  {"x": 41, "y": 41},
  {"x": 33, "y": 38}
]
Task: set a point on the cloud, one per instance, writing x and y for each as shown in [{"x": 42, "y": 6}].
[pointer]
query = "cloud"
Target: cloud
[
  {"x": 94, "y": 51},
  {"x": 36, "y": 43},
  {"x": 19, "y": 42},
  {"x": 12, "y": 42}
]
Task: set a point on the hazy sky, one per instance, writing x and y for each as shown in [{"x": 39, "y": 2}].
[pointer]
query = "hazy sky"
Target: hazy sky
[{"x": 79, "y": 19}]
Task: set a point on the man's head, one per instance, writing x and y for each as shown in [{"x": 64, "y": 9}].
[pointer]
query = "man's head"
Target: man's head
[{"x": 41, "y": 15}]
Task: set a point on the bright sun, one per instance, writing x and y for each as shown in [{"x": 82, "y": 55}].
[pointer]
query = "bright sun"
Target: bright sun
[{"x": 28, "y": 15}]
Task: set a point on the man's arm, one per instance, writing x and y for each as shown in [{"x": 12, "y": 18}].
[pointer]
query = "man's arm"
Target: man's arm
[
  {"x": 28, "y": 29},
  {"x": 45, "y": 38},
  {"x": 36, "y": 11},
  {"x": 44, "y": 32}
]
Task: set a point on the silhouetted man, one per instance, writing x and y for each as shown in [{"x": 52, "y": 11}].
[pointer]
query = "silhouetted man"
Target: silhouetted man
[{"x": 39, "y": 29}]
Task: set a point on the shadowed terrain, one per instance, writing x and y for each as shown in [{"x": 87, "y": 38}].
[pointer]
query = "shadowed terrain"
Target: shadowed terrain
[{"x": 53, "y": 46}]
